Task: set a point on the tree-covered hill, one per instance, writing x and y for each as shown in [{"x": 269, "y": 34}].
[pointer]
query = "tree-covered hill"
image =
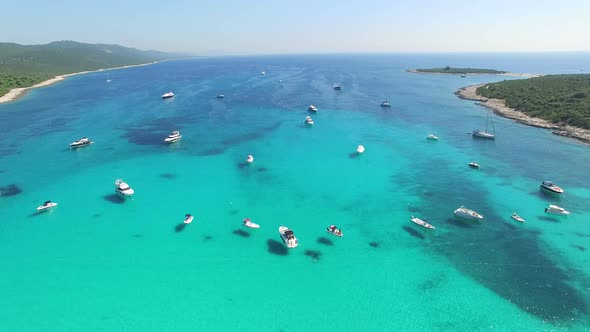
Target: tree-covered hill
[
  {"x": 561, "y": 99},
  {"x": 26, "y": 65}
]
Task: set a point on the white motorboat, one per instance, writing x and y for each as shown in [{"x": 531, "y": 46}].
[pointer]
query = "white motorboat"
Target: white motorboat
[
  {"x": 385, "y": 103},
  {"x": 288, "y": 237},
  {"x": 312, "y": 108},
  {"x": 220, "y": 96},
  {"x": 332, "y": 229},
  {"x": 84, "y": 141},
  {"x": 262, "y": 73},
  {"x": 248, "y": 223},
  {"x": 517, "y": 217},
  {"x": 108, "y": 81},
  {"x": 432, "y": 137},
  {"x": 421, "y": 222},
  {"x": 466, "y": 213},
  {"x": 473, "y": 164},
  {"x": 173, "y": 137},
  {"x": 123, "y": 188},
  {"x": 308, "y": 120},
  {"x": 46, "y": 206},
  {"x": 188, "y": 218},
  {"x": 167, "y": 95},
  {"x": 250, "y": 159},
  {"x": 360, "y": 149},
  {"x": 554, "y": 209},
  {"x": 550, "y": 187},
  {"x": 337, "y": 86}
]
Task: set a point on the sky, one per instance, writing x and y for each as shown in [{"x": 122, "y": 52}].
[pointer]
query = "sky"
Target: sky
[{"x": 304, "y": 26}]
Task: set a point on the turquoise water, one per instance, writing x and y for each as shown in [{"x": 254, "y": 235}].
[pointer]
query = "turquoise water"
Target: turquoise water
[{"x": 95, "y": 263}]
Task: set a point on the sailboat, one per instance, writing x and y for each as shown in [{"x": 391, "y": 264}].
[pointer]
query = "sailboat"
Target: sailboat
[{"x": 487, "y": 134}]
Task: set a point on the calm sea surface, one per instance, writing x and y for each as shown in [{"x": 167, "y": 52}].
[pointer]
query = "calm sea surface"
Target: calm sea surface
[{"x": 96, "y": 263}]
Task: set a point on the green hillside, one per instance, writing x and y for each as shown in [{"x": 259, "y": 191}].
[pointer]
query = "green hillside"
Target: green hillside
[
  {"x": 561, "y": 99},
  {"x": 26, "y": 65}
]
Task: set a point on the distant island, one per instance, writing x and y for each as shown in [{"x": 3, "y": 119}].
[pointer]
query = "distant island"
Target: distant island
[
  {"x": 29, "y": 66},
  {"x": 557, "y": 102},
  {"x": 452, "y": 70}
]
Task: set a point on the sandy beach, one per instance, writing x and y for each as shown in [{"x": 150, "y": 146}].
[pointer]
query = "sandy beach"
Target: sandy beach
[
  {"x": 523, "y": 75},
  {"x": 499, "y": 107},
  {"x": 19, "y": 92}
]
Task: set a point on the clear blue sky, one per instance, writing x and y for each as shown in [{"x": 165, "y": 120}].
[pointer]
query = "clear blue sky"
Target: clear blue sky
[{"x": 305, "y": 26}]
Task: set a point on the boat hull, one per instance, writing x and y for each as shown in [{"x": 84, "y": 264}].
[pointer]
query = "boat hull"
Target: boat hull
[{"x": 46, "y": 207}]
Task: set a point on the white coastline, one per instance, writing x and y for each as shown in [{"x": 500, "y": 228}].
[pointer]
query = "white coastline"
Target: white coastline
[{"x": 19, "y": 92}]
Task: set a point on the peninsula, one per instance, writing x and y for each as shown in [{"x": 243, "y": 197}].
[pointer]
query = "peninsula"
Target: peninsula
[
  {"x": 452, "y": 70},
  {"x": 557, "y": 102},
  {"x": 24, "y": 67}
]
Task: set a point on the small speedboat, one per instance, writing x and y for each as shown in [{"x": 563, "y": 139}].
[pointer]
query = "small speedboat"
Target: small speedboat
[
  {"x": 421, "y": 222},
  {"x": 517, "y": 217},
  {"x": 463, "y": 76},
  {"x": 167, "y": 95},
  {"x": 332, "y": 229},
  {"x": 473, "y": 164},
  {"x": 108, "y": 81},
  {"x": 337, "y": 86},
  {"x": 312, "y": 108},
  {"x": 220, "y": 96},
  {"x": 250, "y": 159},
  {"x": 84, "y": 141},
  {"x": 432, "y": 137},
  {"x": 360, "y": 149},
  {"x": 550, "y": 187},
  {"x": 554, "y": 209},
  {"x": 248, "y": 223},
  {"x": 173, "y": 137},
  {"x": 466, "y": 213},
  {"x": 308, "y": 120},
  {"x": 288, "y": 237},
  {"x": 188, "y": 218},
  {"x": 123, "y": 188},
  {"x": 385, "y": 103},
  {"x": 46, "y": 206},
  {"x": 262, "y": 73}
]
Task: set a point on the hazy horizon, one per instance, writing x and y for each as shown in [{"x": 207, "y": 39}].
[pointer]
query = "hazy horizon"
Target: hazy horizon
[{"x": 237, "y": 27}]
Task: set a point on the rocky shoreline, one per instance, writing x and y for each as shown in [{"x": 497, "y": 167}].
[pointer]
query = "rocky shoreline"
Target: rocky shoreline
[{"x": 498, "y": 106}]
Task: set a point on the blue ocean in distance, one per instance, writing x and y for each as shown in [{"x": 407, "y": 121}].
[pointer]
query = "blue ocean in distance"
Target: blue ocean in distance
[{"x": 95, "y": 263}]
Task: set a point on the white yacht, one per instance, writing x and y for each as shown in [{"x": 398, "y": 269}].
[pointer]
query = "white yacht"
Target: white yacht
[
  {"x": 473, "y": 164},
  {"x": 46, "y": 206},
  {"x": 488, "y": 133},
  {"x": 554, "y": 209},
  {"x": 123, "y": 188},
  {"x": 220, "y": 96},
  {"x": 332, "y": 229},
  {"x": 466, "y": 213},
  {"x": 551, "y": 187},
  {"x": 173, "y": 137},
  {"x": 385, "y": 103},
  {"x": 167, "y": 95},
  {"x": 432, "y": 137},
  {"x": 421, "y": 222},
  {"x": 188, "y": 218},
  {"x": 84, "y": 141},
  {"x": 248, "y": 223},
  {"x": 516, "y": 217},
  {"x": 308, "y": 120},
  {"x": 337, "y": 86},
  {"x": 288, "y": 237},
  {"x": 250, "y": 159},
  {"x": 262, "y": 73},
  {"x": 312, "y": 108},
  {"x": 360, "y": 149}
]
